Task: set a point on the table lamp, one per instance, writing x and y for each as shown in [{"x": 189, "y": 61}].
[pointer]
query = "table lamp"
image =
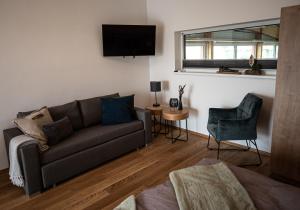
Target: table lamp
[{"x": 155, "y": 86}]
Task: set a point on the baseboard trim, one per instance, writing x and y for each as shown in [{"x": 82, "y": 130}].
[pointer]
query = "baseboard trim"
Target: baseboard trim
[
  {"x": 285, "y": 180},
  {"x": 4, "y": 171},
  {"x": 231, "y": 143}
]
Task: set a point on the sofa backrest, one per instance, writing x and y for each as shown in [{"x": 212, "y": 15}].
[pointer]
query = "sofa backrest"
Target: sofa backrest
[
  {"x": 91, "y": 109},
  {"x": 71, "y": 110},
  {"x": 82, "y": 113}
]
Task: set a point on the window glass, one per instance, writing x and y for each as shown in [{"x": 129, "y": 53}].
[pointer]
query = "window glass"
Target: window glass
[
  {"x": 223, "y": 52},
  {"x": 245, "y": 51},
  {"x": 231, "y": 48},
  {"x": 194, "y": 52},
  {"x": 268, "y": 52},
  {"x": 239, "y": 43}
]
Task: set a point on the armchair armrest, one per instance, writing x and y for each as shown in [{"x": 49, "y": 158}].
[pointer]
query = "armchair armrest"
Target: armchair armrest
[
  {"x": 145, "y": 116},
  {"x": 29, "y": 159},
  {"x": 236, "y": 129},
  {"x": 216, "y": 114}
]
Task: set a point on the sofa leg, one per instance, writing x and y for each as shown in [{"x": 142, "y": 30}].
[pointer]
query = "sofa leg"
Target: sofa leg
[{"x": 34, "y": 194}]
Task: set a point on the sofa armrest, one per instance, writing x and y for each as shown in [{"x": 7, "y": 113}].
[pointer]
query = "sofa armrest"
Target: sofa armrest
[
  {"x": 29, "y": 159},
  {"x": 145, "y": 116},
  {"x": 30, "y": 155},
  {"x": 9, "y": 134}
]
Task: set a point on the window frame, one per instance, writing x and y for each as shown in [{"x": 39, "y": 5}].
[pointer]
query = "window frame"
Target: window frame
[{"x": 181, "y": 62}]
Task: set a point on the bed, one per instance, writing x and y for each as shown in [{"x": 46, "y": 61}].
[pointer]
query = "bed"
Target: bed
[{"x": 265, "y": 192}]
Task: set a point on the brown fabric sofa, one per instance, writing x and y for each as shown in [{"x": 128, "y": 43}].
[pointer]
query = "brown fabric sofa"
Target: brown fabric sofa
[{"x": 91, "y": 144}]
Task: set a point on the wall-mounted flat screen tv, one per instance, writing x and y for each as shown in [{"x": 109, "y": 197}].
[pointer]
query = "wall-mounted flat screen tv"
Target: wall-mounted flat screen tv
[{"x": 128, "y": 40}]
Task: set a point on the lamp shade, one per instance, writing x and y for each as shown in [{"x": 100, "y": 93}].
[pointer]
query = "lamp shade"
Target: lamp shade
[{"x": 155, "y": 86}]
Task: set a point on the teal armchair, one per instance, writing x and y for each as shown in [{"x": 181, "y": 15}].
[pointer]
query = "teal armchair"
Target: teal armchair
[{"x": 236, "y": 123}]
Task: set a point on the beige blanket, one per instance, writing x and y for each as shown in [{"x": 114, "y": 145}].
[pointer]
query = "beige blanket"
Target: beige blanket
[
  {"x": 127, "y": 204},
  {"x": 209, "y": 187}
]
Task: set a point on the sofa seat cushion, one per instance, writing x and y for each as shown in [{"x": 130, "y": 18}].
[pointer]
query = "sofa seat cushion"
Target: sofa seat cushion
[{"x": 87, "y": 138}]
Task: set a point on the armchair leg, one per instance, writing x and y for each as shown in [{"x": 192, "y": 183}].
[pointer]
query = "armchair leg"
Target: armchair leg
[
  {"x": 208, "y": 142},
  {"x": 254, "y": 142},
  {"x": 248, "y": 146},
  {"x": 218, "y": 150},
  {"x": 258, "y": 154}
]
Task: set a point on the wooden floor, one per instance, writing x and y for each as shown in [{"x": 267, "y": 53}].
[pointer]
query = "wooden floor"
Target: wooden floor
[{"x": 107, "y": 185}]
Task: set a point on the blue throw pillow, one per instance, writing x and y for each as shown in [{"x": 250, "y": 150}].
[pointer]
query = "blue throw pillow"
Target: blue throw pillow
[{"x": 118, "y": 110}]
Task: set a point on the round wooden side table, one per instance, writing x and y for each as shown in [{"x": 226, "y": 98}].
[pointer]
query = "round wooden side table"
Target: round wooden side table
[
  {"x": 156, "y": 111},
  {"x": 171, "y": 115}
]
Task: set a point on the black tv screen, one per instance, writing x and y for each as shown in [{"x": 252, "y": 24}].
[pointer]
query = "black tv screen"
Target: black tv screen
[{"x": 128, "y": 40}]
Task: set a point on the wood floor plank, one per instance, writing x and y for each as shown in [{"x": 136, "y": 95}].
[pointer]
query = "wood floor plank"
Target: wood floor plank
[{"x": 107, "y": 185}]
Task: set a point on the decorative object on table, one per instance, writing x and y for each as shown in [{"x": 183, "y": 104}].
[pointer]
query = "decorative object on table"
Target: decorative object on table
[
  {"x": 155, "y": 86},
  {"x": 181, "y": 91},
  {"x": 255, "y": 67},
  {"x": 173, "y": 102},
  {"x": 226, "y": 70},
  {"x": 251, "y": 61}
]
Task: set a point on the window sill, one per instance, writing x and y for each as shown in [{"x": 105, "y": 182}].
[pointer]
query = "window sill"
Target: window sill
[{"x": 269, "y": 74}]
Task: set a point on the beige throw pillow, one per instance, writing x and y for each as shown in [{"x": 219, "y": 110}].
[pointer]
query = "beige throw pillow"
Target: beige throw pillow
[{"x": 32, "y": 124}]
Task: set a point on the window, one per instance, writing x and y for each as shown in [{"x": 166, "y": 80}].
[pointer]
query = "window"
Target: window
[
  {"x": 223, "y": 51},
  {"x": 232, "y": 48},
  {"x": 194, "y": 52},
  {"x": 270, "y": 51},
  {"x": 245, "y": 51}
]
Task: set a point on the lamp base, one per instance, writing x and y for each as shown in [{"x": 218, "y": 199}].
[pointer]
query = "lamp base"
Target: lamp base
[{"x": 156, "y": 105}]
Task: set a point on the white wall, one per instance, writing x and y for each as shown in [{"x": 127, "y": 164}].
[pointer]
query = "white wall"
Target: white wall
[
  {"x": 50, "y": 53},
  {"x": 203, "y": 91}
]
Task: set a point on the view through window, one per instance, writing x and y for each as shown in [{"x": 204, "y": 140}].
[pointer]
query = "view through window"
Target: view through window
[{"x": 233, "y": 44}]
